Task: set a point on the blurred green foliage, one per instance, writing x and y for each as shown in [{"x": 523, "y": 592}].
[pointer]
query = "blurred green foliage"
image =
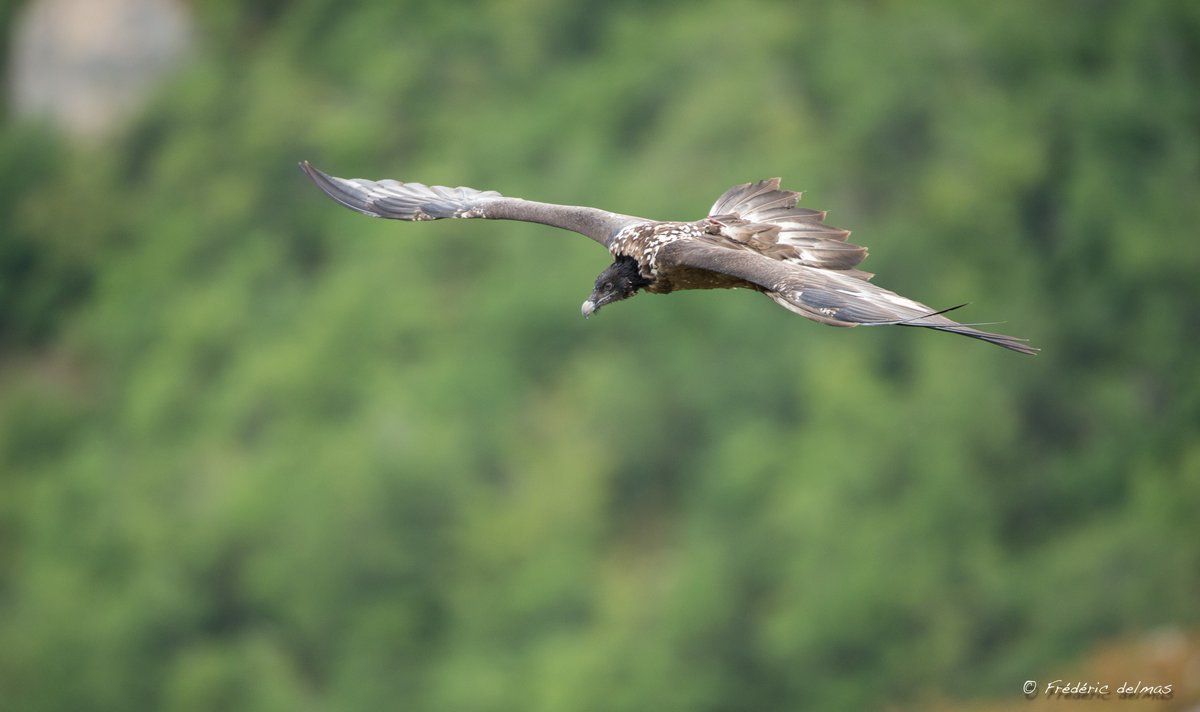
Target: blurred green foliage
[{"x": 258, "y": 452}]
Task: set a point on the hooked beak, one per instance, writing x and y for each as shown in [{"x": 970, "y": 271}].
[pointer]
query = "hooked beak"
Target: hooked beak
[{"x": 594, "y": 302}]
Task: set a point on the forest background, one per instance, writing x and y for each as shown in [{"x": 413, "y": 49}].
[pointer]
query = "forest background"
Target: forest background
[{"x": 259, "y": 452}]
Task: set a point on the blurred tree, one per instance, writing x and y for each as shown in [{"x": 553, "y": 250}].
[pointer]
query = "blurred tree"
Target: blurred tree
[{"x": 258, "y": 452}]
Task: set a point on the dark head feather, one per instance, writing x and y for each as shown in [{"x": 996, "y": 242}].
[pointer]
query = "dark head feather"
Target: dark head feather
[{"x": 620, "y": 280}]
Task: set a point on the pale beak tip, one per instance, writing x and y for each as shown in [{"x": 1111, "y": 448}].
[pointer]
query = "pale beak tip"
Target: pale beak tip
[{"x": 588, "y": 308}]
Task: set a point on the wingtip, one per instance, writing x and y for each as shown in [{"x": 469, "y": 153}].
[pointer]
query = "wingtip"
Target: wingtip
[
  {"x": 1012, "y": 343},
  {"x": 323, "y": 181},
  {"x": 309, "y": 170},
  {"x": 1019, "y": 346},
  {"x": 340, "y": 190}
]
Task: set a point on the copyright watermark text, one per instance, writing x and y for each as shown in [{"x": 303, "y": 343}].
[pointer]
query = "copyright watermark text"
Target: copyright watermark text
[{"x": 1085, "y": 690}]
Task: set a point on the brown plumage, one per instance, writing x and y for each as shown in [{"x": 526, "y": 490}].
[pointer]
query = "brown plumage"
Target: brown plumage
[{"x": 754, "y": 237}]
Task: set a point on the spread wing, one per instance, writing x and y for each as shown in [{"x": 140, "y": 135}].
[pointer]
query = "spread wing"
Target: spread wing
[
  {"x": 829, "y": 296},
  {"x": 766, "y": 219},
  {"x": 417, "y": 201}
]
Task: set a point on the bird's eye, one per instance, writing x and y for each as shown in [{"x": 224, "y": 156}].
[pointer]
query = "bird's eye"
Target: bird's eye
[{"x": 607, "y": 286}]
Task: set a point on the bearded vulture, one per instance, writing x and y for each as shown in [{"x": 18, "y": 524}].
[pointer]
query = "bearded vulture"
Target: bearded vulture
[{"x": 754, "y": 237}]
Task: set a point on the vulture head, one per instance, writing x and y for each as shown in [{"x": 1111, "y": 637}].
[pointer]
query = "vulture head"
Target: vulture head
[{"x": 620, "y": 280}]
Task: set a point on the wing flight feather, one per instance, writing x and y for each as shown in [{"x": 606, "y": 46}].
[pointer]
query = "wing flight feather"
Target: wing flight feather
[{"x": 400, "y": 201}]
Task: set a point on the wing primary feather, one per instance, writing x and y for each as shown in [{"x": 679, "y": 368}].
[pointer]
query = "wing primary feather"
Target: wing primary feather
[
  {"x": 399, "y": 201},
  {"x": 349, "y": 199}
]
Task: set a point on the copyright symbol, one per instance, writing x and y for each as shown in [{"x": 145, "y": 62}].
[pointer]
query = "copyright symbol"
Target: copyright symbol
[{"x": 1030, "y": 689}]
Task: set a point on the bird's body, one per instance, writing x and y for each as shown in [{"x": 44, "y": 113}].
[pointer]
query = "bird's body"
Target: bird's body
[
  {"x": 645, "y": 242},
  {"x": 754, "y": 237}
]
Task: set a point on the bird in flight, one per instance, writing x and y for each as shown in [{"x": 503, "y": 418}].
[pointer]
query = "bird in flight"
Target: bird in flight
[{"x": 754, "y": 237}]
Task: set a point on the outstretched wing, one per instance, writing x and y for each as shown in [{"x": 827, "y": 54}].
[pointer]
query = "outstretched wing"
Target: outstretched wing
[
  {"x": 766, "y": 219},
  {"x": 417, "y": 201},
  {"x": 828, "y": 296}
]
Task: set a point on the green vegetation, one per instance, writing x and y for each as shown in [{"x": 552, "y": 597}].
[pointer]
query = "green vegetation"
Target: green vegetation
[{"x": 258, "y": 452}]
